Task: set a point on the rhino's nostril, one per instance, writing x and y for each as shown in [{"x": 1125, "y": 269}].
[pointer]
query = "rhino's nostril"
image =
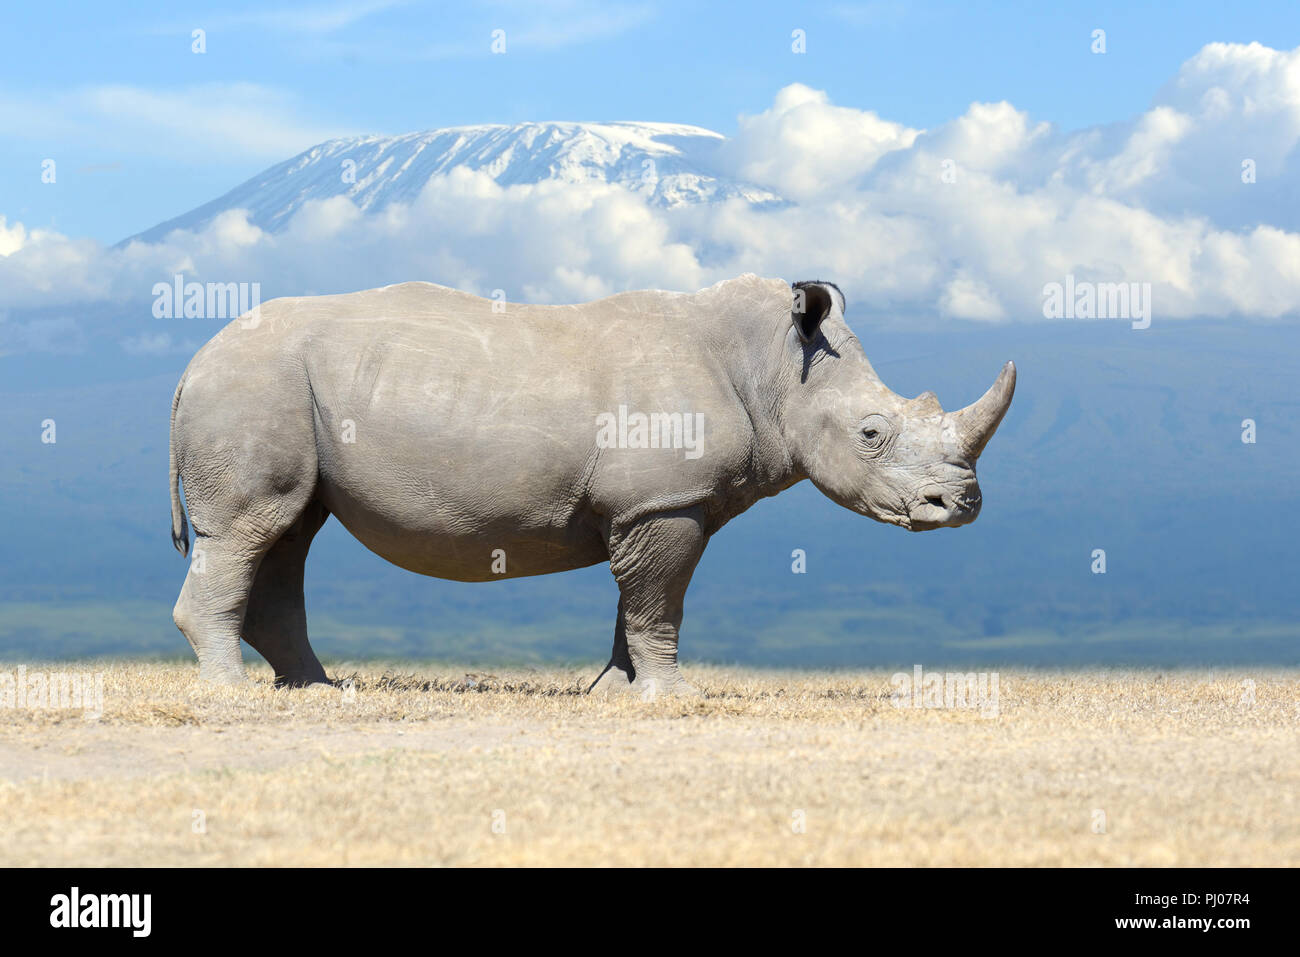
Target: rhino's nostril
[{"x": 935, "y": 500}]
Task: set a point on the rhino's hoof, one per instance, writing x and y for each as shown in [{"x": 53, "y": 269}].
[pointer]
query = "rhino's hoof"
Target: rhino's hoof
[
  {"x": 308, "y": 682},
  {"x": 615, "y": 682},
  {"x": 222, "y": 676}
]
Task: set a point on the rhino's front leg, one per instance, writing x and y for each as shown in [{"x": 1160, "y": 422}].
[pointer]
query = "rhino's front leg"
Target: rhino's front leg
[{"x": 652, "y": 559}]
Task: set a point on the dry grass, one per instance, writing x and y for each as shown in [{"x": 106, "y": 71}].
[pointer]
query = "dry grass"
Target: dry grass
[{"x": 416, "y": 769}]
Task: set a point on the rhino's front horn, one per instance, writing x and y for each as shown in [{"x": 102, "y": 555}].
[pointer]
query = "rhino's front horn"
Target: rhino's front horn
[{"x": 977, "y": 423}]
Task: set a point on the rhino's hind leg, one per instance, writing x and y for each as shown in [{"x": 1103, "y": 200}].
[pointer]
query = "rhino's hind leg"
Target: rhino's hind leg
[
  {"x": 275, "y": 623},
  {"x": 211, "y": 606},
  {"x": 652, "y": 560},
  {"x": 247, "y": 461}
]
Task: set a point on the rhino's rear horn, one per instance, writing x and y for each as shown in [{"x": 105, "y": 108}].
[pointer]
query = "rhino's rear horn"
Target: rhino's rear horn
[
  {"x": 926, "y": 403},
  {"x": 977, "y": 423}
]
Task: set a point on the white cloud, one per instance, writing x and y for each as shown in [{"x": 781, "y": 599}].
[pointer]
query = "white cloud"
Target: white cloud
[
  {"x": 805, "y": 147},
  {"x": 966, "y": 297},
  {"x": 1158, "y": 200},
  {"x": 12, "y": 238}
]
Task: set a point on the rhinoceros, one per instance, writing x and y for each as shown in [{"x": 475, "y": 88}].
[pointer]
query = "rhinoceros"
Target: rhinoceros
[{"x": 471, "y": 439}]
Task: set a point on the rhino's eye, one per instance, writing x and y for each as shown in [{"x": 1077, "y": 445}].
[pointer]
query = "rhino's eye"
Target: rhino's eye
[
  {"x": 873, "y": 439},
  {"x": 874, "y": 432}
]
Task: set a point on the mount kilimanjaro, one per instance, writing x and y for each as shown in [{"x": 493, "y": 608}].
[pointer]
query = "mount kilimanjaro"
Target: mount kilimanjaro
[{"x": 669, "y": 164}]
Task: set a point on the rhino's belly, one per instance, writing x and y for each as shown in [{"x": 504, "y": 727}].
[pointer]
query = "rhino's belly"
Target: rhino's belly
[
  {"x": 454, "y": 467},
  {"x": 462, "y": 537}
]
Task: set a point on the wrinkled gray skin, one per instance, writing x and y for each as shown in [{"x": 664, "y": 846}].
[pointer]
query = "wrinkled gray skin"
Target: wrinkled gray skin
[{"x": 439, "y": 431}]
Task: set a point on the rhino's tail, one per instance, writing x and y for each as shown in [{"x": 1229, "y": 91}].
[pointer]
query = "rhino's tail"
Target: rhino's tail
[{"x": 180, "y": 528}]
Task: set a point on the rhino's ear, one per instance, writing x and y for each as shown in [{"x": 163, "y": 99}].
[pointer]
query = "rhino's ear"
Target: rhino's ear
[{"x": 813, "y": 302}]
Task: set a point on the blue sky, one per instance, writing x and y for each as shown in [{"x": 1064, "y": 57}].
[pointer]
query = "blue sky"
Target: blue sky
[{"x": 116, "y": 95}]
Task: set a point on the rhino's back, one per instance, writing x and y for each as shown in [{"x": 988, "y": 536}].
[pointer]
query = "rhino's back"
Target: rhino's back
[{"x": 419, "y": 354}]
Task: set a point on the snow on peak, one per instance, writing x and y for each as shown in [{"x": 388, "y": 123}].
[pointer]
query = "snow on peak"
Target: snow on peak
[{"x": 670, "y": 164}]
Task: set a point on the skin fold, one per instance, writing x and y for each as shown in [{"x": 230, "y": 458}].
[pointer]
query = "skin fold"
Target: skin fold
[{"x": 470, "y": 439}]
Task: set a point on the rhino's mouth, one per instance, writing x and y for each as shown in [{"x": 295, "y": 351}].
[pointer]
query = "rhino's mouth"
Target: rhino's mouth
[{"x": 940, "y": 506}]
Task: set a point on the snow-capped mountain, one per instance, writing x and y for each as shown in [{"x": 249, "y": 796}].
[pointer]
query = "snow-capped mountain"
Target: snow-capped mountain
[{"x": 670, "y": 164}]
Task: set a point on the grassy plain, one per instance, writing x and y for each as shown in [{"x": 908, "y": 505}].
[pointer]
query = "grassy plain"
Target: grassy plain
[{"x": 426, "y": 765}]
